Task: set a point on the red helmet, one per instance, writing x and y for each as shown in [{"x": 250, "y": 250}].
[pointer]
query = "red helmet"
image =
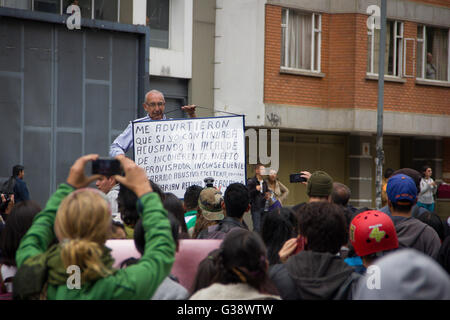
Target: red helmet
[{"x": 372, "y": 231}]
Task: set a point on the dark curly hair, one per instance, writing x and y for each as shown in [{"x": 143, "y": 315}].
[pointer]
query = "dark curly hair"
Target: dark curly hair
[
  {"x": 126, "y": 201},
  {"x": 324, "y": 226},
  {"x": 236, "y": 200}
]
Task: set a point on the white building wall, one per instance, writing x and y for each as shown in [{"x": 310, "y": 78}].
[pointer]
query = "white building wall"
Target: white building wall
[
  {"x": 139, "y": 12},
  {"x": 239, "y": 59}
]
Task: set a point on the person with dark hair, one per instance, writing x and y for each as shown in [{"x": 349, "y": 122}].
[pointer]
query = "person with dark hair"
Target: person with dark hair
[
  {"x": 170, "y": 288},
  {"x": 316, "y": 272},
  {"x": 6, "y": 206},
  {"x": 278, "y": 226},
  {"x": 415, "y": 175},
  {"x": 434, "y": 221},
  {"x": 15, "y": 185},
  {"x": 210, "y": 210},
  {"x": 387, "y": 174},
  {"x": 341, "y": 195},
  {"x": 411, "y": 232},
  {"x": 190, "y": 207},
  {"x": 241, "y": 270},
  {"x": 259, "y": 193},
  {"x": 175, "y": 206},
  {"x": 236, "y": 203},
  {"x": 206, "y": 272},
  {"x": 18, "y": 223},
  {"x": 126, "y": 201},
  {"x": 428, "y": 189}
]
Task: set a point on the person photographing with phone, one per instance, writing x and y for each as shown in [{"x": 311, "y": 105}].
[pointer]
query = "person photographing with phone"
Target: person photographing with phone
[
  {"x": 154, "y": 105},
  {"x": 319, "y": 186},
  {"x": 80, "y": 218},
  {"x": 107, "y": 183},
  {"x": 259, "y": 193}
]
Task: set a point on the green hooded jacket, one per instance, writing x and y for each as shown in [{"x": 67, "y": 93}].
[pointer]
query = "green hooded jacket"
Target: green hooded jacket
[{"x": 138, "y": 281}]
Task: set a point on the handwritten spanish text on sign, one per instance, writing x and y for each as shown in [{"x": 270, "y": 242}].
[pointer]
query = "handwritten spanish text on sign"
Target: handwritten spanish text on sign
[{"x": 179, "y": 153}]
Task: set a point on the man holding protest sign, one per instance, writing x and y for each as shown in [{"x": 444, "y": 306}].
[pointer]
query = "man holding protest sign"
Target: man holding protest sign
[{"x": 154, "y": 105}]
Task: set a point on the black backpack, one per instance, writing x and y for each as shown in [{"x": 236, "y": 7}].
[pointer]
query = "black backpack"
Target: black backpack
[
  {"x": 214, "y": 232},
  {"x": 8, "y": 186}
]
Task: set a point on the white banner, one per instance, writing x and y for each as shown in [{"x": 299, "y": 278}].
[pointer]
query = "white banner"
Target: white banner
[{"x": 182, "y": 152}]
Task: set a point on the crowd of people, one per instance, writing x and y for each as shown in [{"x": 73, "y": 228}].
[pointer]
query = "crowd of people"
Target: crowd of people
[{"x": 322, "y": 249}]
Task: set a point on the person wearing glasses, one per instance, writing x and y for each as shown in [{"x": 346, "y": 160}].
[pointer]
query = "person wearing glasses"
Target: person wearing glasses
[{"x": 154, "y": 105}]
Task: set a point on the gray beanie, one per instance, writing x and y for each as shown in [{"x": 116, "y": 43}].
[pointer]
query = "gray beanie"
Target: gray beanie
[{"x": 405, "y": 274}]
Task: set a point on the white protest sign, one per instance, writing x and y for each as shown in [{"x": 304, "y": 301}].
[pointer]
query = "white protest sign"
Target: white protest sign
[{"x": 182, "y": 152}]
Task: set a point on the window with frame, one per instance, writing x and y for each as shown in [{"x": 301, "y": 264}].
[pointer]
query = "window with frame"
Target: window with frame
[
  {"x": 158, "y": 12},
  {"x": 433, "y": 54},
  {"x": 393, "y": 58},
  {"x": 301, "y": 40}
]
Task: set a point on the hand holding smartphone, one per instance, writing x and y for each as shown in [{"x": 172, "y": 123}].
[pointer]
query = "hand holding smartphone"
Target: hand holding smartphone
[{"x": 297, "y": 177}]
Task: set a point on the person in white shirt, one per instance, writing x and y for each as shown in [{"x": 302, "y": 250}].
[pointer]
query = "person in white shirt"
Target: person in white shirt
[
  {"x": 427, "y": 190},
  {"x": 110, "y": 187},
  {"x": 154, "y": 106}
]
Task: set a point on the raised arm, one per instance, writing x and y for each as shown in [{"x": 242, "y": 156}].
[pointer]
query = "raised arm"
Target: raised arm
[
  {"x": 122, "y": 143},
  {"x": 41, "y": 232}
]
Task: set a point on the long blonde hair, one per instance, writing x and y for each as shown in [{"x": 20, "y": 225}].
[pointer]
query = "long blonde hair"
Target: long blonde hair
[{"x": 83, "y": 224}]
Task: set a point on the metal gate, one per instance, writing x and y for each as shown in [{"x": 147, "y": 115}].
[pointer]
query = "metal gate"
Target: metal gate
[{"x": 64, "y": 93}]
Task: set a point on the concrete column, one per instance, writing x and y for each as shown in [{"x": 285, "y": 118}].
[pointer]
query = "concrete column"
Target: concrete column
[{"x": 361, "y": 166}]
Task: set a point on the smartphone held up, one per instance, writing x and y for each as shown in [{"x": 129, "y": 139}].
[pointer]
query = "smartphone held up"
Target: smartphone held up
[
  {"x": 296, "y": 178},
  {"x": 106, "y": 167}
]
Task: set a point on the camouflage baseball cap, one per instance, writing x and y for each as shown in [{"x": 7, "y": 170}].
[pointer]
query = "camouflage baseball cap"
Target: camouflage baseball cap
[{"x": 210, "y": 202}]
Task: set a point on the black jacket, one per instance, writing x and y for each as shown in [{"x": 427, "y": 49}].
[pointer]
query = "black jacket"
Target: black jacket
[
  {"x": 20, "y": 191},
  {"x": 413, "y": 233},
  {"x": 257, "y": 199},
  {"x": 313, "y": 275}
]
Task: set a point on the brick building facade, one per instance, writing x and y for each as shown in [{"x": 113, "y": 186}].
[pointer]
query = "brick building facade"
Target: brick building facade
[{"x": 341, "y": 97}]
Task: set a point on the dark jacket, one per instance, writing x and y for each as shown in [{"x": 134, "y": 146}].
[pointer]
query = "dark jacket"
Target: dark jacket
[
  {"x": 415, "y": 212},
  {"x": 20, "y": 191},
  {"x": 257, "y": 199},
  {"x": 224, "y": 226},
  {"x": 313, "y": 275},
  {"x": 413, "y": 233}
]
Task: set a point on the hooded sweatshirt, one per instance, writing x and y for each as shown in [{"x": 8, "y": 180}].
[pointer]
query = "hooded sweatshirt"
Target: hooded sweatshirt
[
  {"x": 313, "y": 275},
  {"x": 405, "y": 274},
  {"x": 413, "y": 233},
  {"x": 232, "y": 291}
]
